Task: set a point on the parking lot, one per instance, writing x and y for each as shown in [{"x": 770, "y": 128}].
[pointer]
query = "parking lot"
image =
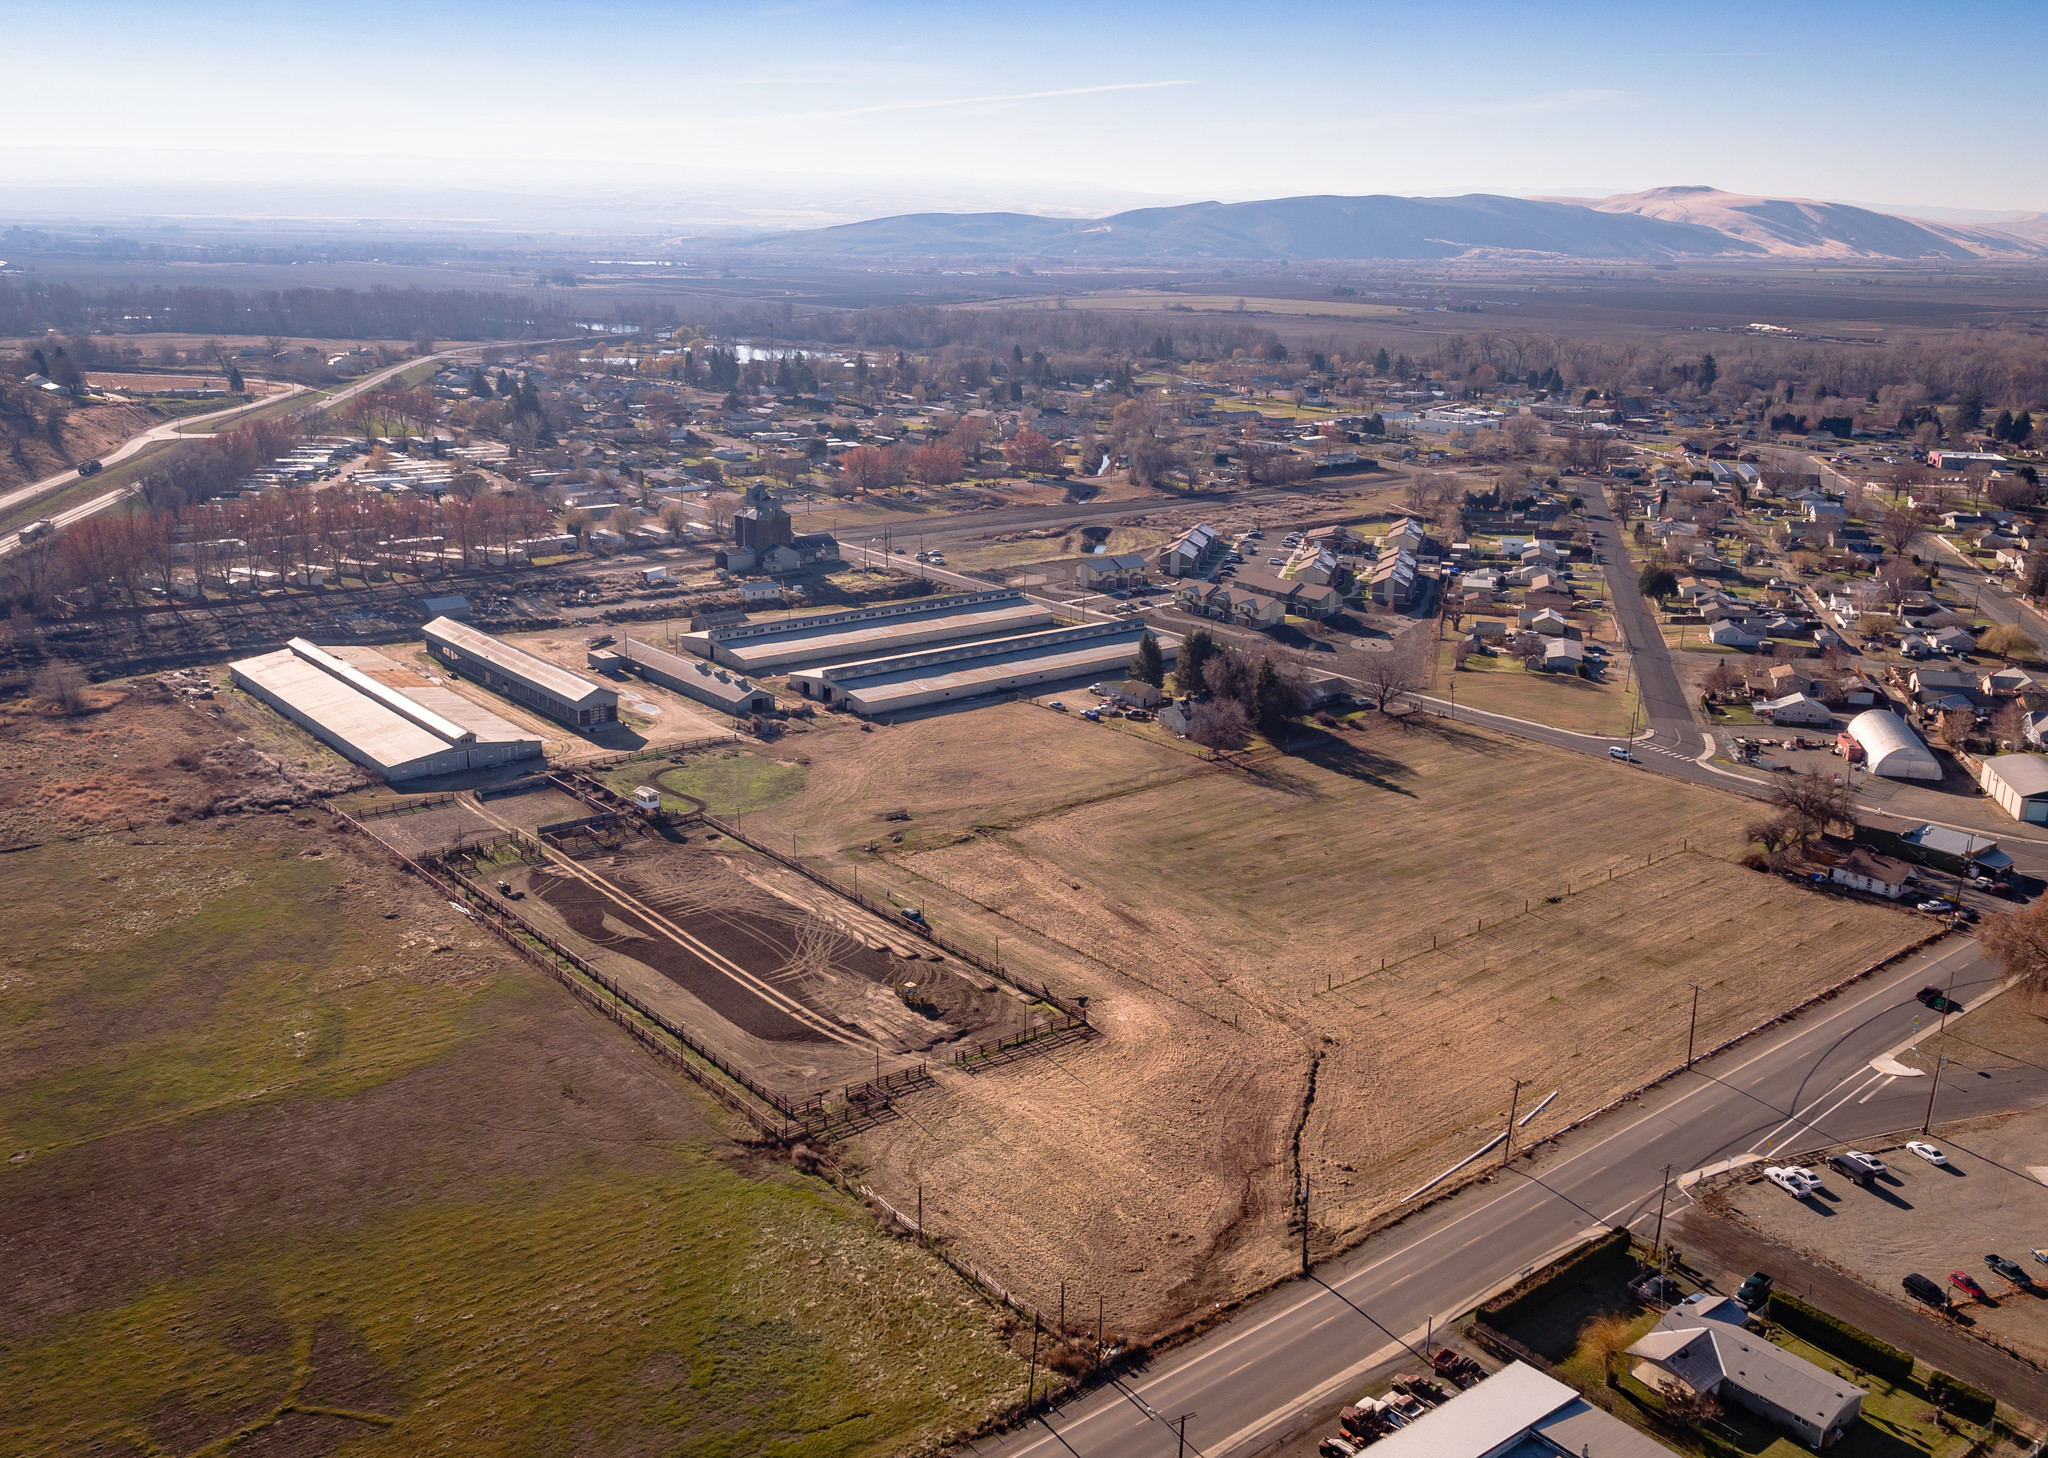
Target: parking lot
[{"x": 1992, "y": 1198}]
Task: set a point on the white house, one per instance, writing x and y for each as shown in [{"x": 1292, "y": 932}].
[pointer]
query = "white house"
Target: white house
[
  {"x": 1863, "y": 869},
  {"x": 1796, "y": 709}
]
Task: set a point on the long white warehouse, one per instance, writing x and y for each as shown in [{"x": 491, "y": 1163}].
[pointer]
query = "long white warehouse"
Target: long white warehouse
[
  {"x": 781, "y": 644},
  {"x": 970, "y": 670},
  {"x": 523, "y": 677},
  {"x": 1891, "y": 748},
  {"x": 400, "y": 733}
]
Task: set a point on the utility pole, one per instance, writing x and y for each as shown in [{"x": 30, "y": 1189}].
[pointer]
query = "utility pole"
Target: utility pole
[
  {"x": 1031, "y": 1391},
  {"x": 1663, "y": 1190},
  {"x": 1934, "y": 1088},
  {"x": 1182, "y": 1422},
  {"x": 1304, "y": 1225},
  {"x": 1693, "y": 1027},
  {"x": 1513, "y": 1103},
  {"x": 1947, "y": 1000}
]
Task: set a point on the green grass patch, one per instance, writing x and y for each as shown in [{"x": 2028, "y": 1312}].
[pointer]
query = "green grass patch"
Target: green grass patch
[
  {"x": 692, "y": 1309},
  {"x": 730, "y": 782}
]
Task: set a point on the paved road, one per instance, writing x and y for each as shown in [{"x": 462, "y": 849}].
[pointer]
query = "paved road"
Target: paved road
[
  {"x": 170, "y": 430},
  {"x": 1662, "y": 696},
  {"x": 1303, "y": 1347}
]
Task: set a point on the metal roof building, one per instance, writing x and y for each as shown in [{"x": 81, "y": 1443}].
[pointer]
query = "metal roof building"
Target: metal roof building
[
  {"x": 781, "y": 644},
  {"x": 401, "y": 734},
  {"x": 1891, "y": 748},
  {"x": 1518, "y": 1412},
  {"x": 2019, "y": 783},
  {"x": 970, "y": 670},
  {"x": 521, "y": 676},
  {"x": 695, "y": 678}
]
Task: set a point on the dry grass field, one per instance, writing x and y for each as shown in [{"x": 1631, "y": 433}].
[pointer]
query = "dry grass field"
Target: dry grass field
[
  {"x": 301, "y": 1161},
  {"x": 1230, "y": 925}
]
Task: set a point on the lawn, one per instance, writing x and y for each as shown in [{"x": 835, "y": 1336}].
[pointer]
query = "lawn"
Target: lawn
[
  {"x": 1503, "y": 686},
  {"x": 723, "y": 781},
  {"x": 303, "y": 1160}
]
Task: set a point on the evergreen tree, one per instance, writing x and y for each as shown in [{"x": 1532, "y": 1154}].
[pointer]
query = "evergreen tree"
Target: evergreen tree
[
  {"x": 1970, "y": 414},
  {"x": 1272, "y": 702},
  {"x": 860, "y": 371},
  {"x": 1195, "y": 652},
  {"x": 234, "y": 380},
  {"x": 1149, "y": 666},
  {"x": 1381, "y": 364},
  {"x": 1709, "y": 372},
  {"x": 479, "y": 387}
]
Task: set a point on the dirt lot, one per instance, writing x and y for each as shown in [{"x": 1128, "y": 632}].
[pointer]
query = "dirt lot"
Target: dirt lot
[
  {"x": 1922, "y": 1218},
  {"x": 287, "y": 1134},
  {"x": 1230, "y": 926}
]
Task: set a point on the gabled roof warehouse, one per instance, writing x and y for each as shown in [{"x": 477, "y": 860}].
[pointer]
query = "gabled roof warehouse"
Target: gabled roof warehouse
[
  {"x": 781, "y": 644},
  {"x": 521, "y": 676},
  {"x": 970, "y": 670},
  {"x": 694, "y": 678},
  {"x": 400, "y": 734}
]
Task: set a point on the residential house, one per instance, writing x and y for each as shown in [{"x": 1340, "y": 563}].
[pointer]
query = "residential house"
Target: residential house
[
  {"x": 1304, "y": 599},
  {"x": 1734, "y": 633},
  {"x": 1863, "y": 869},
  {"x": 1394, "y": 578},
  {"x": 1705, "y": 1345},
  {"x": 1952, "y": 640},
  {"x": 1548, "y": 621},
  {"x": 1785, "y": 679},
  {"x": 1405, "y": 535},
  {"x": 1189, "y": 553},
  {"x": 1564, "y": 655},
  {"x": 1795, "y": 709},
  {"x": 1318, "y": 567},
  {"x": 1102, "y": 574}
]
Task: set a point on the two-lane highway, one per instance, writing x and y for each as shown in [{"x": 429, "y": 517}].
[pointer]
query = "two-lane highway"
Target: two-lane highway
[{"x": 1807, "y": 1082}]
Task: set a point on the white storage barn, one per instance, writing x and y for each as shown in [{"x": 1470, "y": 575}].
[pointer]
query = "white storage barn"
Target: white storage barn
[
  {"x": 2019, "y": 783},
  {"x": 1891, "y": 748}
]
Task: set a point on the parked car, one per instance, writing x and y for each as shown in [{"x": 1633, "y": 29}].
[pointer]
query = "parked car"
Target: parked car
[
  {"x": 1092, "y": 715},
  {"x": 1940, "y": 1001},
  {"x": 1752, "y": 1293},
  {"x": 1965, "y": 1282},
  {"x": 1921, "y": 1289},
  {"x": 2011, "y": 1270},
  {"x": 1938, "y": 907},
  {"x": 1808, "y": 1177},
  {"x": 1791, "y": 1181},
  {"x": 1618, "y": 751},
  {"x": 1926, "y": 1151},
  {"x": 1057, "y": 705}
]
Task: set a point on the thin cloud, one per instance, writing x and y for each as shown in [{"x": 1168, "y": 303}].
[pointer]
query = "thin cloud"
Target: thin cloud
[{"x": 888, "y": 106}]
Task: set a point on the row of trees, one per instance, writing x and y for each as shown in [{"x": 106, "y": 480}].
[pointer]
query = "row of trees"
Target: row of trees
[{"x": 285, "y": 532}]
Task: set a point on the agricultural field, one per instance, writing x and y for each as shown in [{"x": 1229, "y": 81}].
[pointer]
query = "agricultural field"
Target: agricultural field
[
  {"x": 1230, "y": 926},
  {"x": 301, "y": 1160}
]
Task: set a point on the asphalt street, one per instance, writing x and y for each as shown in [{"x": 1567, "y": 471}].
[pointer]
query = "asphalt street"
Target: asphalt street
[{"x": 1802, "y": 1084}]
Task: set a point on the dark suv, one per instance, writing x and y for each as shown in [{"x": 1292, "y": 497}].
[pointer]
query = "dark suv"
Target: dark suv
[
  {"x": 1938, "y": 1000},
  {"x": 1921, "y": 1289}
]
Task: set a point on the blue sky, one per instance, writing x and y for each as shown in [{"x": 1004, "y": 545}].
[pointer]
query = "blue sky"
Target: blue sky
[{"x": 1046, "y": 106}]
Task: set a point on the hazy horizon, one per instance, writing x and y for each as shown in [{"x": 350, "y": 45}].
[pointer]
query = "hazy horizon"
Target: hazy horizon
[{"x": 825, "y": 110}]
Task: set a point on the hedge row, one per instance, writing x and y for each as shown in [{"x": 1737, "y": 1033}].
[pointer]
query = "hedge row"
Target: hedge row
[
  {"x": 1512, "y": 1305},
  {"x": 1972, "y": 1404},
  {"x": 1852, "y": 1344}
]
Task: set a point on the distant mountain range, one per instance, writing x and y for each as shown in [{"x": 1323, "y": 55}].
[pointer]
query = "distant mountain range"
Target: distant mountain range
[{"x": 1666, "y": 223}]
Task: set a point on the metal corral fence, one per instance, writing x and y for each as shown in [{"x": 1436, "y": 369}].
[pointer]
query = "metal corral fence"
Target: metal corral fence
[
  {"x": 1035, "y": 1032},
  {"x": 800, "y": 1119},
  {"x": 404, "y": 807},
  {"x": 1506, "y": 908},
  {"x": 1075, "y": 1008}
]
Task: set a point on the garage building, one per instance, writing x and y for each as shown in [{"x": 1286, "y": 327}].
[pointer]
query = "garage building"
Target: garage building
[
  {"x": 400, "y": 733},
  {"x": 971, "y": 670},
  {"x": 782, "y": 644},
  {"x": 521, "y": 676},
  {"x": 2019, "y": 783},
  {"x": 1891, "y": 748}
]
